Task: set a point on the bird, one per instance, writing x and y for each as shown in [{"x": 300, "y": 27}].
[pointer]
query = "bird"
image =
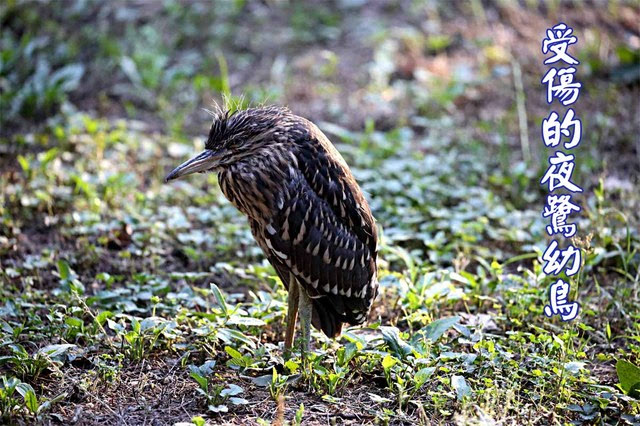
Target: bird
[{"x": 305, "y": 209}]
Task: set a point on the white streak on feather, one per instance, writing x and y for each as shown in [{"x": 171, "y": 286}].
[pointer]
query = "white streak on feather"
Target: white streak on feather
[
  {"x": 280, "y": 254},
  {"x": 300, "y": 235},
  {"x": 277, "y": 253}
]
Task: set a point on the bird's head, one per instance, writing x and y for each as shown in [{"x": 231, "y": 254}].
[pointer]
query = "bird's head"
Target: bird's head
[{"x": 233, "y": 137}]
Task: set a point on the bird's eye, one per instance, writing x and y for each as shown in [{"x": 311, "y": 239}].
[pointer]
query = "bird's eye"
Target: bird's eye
[{"x": 233, "y": 142}]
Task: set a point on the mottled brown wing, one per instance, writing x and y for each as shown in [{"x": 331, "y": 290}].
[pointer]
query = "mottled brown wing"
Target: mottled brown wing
[
  {"x": 329, "y": 176},
  {"x": 326, "y": 237}
]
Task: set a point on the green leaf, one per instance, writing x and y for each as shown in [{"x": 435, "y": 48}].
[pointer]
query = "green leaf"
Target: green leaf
[
  {"x": 31, "y": 401},
  {"x": 629, "y": 376},
  {"x": 24, "y": 163},
  {"x": 198, "y": 421},
  {"x": 238, "y": 401},
  {"x": 22, "y": 388},
  {"x": 202, "y": 381},
  {"x": 218, "y": 408},
  {"x": 262, "y": 381},
  {"x": 391, "y": 336},
  {"x": 229, "y": 335},
  {"x": 205, "y": 369},
  {"x": 437, "y": 328},
  {"x": 103, "y": 316},
  {"x": 231, "y": 390},
  {"x": 388, "y": 362},
  {"x": 63, "y": 269},
  {"x": 574, "y": 367},
  {"x": 299, "y": 414},
  {"x": 423, "y": 375},
  {"x": 74, "y": 322},
  {"x": 68, "y": 77},
  {"x": 135, "y": 325},
  {"x": 459, "y": 384},
  {"x": 248, "y": 321},
  {"x": 47, "y": 404},
  {"x": 356, "y": 340},
  {"x": 47, "y": 157},
  {"x": 378, "y": 399},
  {"x": 220, "y": 299},
  {"x": 56, "y": 351},
  {"x": 232, "y": 352},
  {"x": 130, "y": 69},
  {"x": 76, "y": 286},
  {"x": 115, "y": 326},
  {"x": 292, "y": 366},
  {"x": 6, "y": 327},
  {"x": 29, "y": 395},
  {"x": 346, "y": 353}
]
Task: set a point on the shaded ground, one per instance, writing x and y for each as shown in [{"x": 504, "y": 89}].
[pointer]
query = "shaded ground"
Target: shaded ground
[{"x": 100, "y": 100}]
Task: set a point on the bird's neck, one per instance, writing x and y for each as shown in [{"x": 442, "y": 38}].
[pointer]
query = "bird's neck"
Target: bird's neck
[{"x": 254, "y": 185}]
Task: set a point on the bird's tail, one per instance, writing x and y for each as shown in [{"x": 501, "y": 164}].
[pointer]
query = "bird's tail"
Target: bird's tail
[{"x": 326, "y": 318}]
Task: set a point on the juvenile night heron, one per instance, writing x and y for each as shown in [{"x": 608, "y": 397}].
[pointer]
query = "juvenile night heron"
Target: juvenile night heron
[{"x": 306, "y": 212}]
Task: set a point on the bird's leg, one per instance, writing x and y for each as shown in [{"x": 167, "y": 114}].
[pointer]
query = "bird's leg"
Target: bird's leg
[
  {"x": 292, "y": 314},
  {"x": 306, "y": 309}
]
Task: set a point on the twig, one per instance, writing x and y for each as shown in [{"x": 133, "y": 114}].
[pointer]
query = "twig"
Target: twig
[{"x": 522, "y": 111}]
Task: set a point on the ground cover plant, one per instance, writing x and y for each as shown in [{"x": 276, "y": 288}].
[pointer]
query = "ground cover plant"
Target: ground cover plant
[{"x": 127, "y": 301}]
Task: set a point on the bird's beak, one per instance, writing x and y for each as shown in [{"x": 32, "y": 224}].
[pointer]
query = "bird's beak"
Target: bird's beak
[{"x": 202, "y": 162}]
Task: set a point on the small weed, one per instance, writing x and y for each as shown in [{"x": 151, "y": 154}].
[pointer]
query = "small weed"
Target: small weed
[{"x": 216, "y": 395}]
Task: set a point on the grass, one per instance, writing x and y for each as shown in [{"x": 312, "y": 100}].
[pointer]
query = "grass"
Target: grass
[{"x": 127, "y": 301}]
